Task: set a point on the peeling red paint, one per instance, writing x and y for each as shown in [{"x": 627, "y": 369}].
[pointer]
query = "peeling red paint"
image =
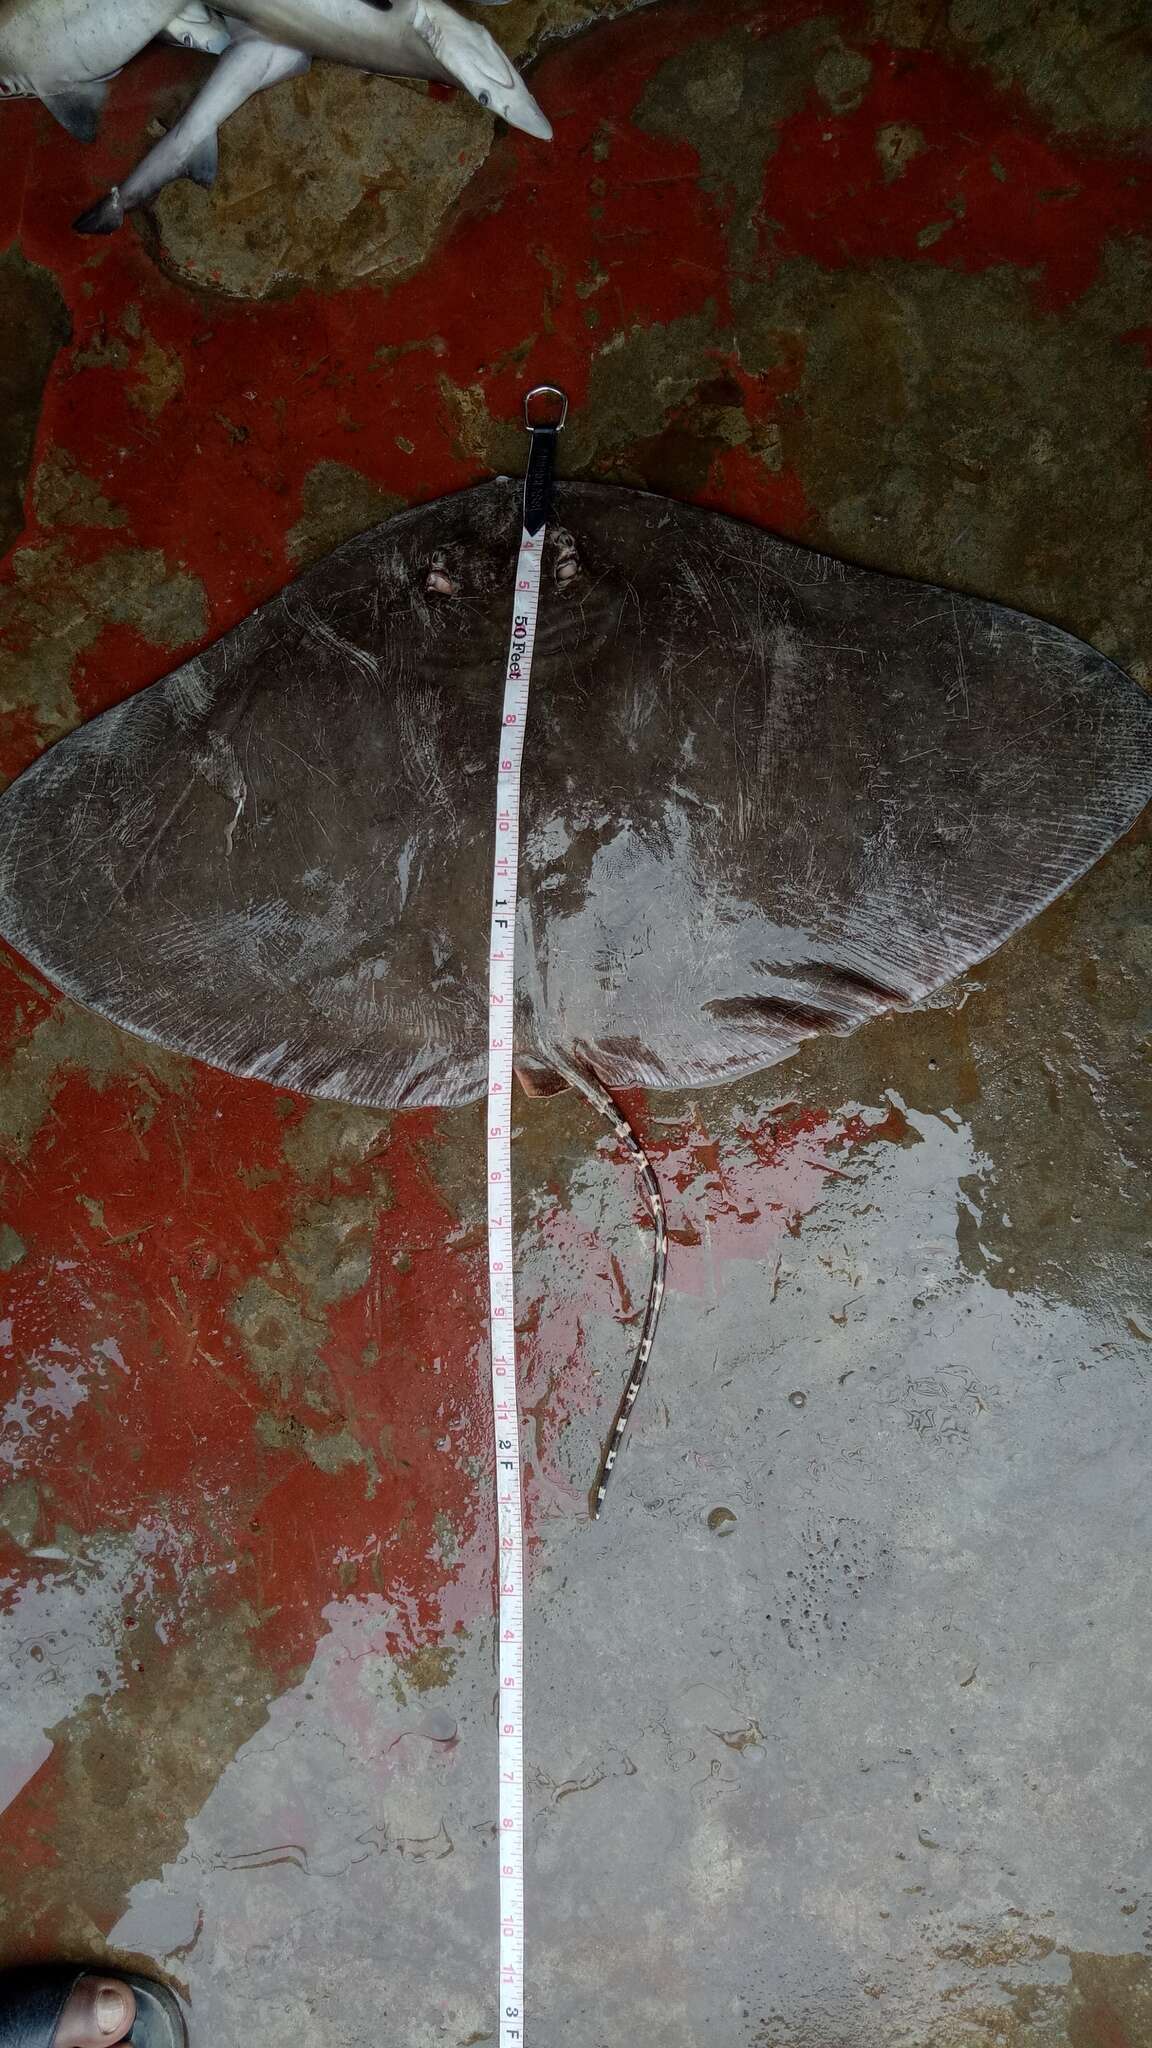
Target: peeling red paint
[
  {"x": 119, "y": 662},
  {"x": 19, "y": 739},
  {"x": 145, "y": 1210},
  {"x": 271, "y": 390},
  {"x": 990, "y": 187}
]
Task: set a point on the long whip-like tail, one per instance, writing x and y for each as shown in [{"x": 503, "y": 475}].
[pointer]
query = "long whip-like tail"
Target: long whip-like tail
[{"x": 600, "y": 1100}]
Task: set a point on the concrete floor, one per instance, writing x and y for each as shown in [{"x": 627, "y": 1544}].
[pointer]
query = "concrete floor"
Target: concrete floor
[{"x": 838, "y": 1724}]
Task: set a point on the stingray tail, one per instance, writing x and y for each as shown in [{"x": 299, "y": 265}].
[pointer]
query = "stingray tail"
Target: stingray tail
[{"x": 650, "y": 1187}]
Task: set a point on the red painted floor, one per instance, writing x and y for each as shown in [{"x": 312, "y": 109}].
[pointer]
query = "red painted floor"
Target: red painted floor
[{"x": 241, "y": 1337}]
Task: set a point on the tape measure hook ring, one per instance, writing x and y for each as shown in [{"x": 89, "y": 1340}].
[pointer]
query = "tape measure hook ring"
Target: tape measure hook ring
[{"x": 540, "y": 416}]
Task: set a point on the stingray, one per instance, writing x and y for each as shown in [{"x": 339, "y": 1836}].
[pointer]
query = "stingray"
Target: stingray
[{"x": 766, "y": 796}]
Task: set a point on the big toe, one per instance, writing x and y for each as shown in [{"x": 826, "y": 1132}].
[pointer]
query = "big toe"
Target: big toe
[{"x": 99, "y": 2012}]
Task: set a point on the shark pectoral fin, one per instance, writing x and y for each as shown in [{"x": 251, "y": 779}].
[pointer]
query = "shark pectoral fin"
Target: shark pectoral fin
[
  {"x": 463, "y": 47},
  {"x": 189, "y": 150},
  {"x": 428, "y": 28},
  {"x": 78, "y": 107},
  {"x": 204, "y": 162}
]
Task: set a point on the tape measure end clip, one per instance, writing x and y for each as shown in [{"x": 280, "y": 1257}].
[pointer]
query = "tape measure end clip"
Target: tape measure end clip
[{"x": 545, "y": 409}]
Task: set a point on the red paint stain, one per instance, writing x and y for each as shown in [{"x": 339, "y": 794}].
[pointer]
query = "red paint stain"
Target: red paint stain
[
  {"x": 989, "y": 188},
  {"x": 266, "y": 392},
  {"x": 20, "y": 740},
  {"x": 119, "y": 662},
  {"x": 145, "y": 1213}
]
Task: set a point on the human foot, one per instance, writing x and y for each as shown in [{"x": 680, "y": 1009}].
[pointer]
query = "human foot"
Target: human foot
[
  {"x": 66, "y": 2005},
  {"x": 98, "y": 2013}
]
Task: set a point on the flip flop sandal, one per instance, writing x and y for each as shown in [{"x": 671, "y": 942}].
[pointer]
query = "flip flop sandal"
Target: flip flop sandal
[{"x": 32, "y": 2000}]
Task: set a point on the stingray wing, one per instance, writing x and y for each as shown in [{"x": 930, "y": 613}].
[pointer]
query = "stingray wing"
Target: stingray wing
[
  {"x": 811, "y": 793},
  {"x": 273, "y": 859},
  {"x": 766, "y": 795}
]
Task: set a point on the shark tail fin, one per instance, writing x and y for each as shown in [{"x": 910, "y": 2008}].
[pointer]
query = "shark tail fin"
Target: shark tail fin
[{"x": 78, "y": 107}]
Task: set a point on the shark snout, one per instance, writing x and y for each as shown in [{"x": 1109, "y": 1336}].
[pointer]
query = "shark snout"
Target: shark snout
[
  {"x": 475, "y": 61},
  {"x": 521, "y": 111},
  {"x": 510, "y": 98}
]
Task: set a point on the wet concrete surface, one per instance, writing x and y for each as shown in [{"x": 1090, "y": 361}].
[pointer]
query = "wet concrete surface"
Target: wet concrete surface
[{"x": 838, "y": 1722}]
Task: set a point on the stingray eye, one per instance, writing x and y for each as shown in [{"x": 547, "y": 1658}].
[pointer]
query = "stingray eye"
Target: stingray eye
[
  {"x": 439, "y": 583},
  {"x": 484, "y": 99},
  {"x": 568, "y": 563}
]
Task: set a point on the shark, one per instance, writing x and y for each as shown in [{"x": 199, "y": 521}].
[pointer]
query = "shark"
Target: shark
[{"x": 66, "y": 53}]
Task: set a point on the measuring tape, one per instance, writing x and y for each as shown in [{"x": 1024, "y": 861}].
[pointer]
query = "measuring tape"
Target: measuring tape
[{"x": 545, "y": 410}]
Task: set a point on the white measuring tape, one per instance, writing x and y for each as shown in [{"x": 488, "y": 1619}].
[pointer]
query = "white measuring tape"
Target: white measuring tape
[{"x": 545, "y": 410}]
